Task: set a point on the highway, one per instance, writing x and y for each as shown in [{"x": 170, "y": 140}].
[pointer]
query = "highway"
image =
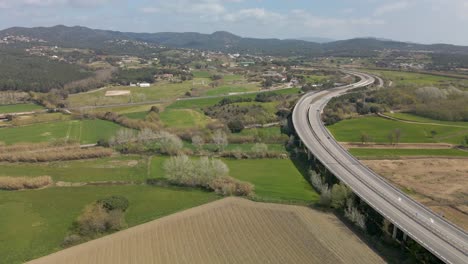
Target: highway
[{"x": 446, "y": 241}]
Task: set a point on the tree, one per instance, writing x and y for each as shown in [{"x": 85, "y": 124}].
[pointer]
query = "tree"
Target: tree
[
  {"x": 364, "y": 138},
  {"x": 235, "y": 126},
  {"x": 122, "y": 136},
  {"x": 397, "y": 133},
  {"x": 268, "y": 83},
  {"x": 340, "y": 193},
  {"x": 354, "y": 215},
  {"x": 216, "y": 77},
  {"x": 391, "y": 138},
  {"x": 179, "y": 170},
  {"x": 198, "y": 142},
  {"x": 220, "y": 139},
  {"x": 154, "y": 109},
  {"x": 433, "y": 133},
  {"x": 169, "y": 143}
]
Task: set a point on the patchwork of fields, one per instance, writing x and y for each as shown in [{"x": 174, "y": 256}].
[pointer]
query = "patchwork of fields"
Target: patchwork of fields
[{"x": 33, "y": 223}]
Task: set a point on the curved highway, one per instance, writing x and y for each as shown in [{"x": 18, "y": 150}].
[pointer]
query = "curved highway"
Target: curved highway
[{"x": 443, "y": 239}]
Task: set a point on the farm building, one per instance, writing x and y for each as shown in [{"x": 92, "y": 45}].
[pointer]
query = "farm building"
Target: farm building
[{"x": 144, "y": 84}]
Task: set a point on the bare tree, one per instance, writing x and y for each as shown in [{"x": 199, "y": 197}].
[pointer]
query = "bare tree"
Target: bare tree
[
  {"x": 122, "y": 136},
  {"x": 169, "y": 143},
  {"x": 397, "y": 133},
  {"x": 220, "y": 139},
  {"x": 391, "y": 138},
  {"x": 198, "y": 142}
]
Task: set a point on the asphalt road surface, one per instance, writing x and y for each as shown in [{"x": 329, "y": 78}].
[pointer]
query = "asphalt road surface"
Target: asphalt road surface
[{"x": 443, "y": 239}]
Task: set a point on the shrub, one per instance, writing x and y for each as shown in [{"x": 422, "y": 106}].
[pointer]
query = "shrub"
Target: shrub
[
  {"x": 340, "y": 193},
  {"x": 260, "y": 149},
  {"x": 228, "y": 186},
  {"x": 114, "y": 203},
  {"x": 72, "y": 152},
  {"x": 354, "y": 215},
  {"x": 71, "y": 240},
  {"x": 96, "y": 219},
  {"x": 20, "y": 183},
  {"x": 325, "y": 196},
  {"x": 235, "y": 126},
  {"x": 316, "y": 180}
]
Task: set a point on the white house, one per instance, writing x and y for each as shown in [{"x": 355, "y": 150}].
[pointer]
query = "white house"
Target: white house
[{"x": 144, "y": 84}]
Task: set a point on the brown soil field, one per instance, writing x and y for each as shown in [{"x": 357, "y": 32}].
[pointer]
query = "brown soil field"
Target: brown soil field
[
  {"x": 441, "y": 184},
  {"x": 117, "y": 93},
  {"x": 231, "y": 230}
]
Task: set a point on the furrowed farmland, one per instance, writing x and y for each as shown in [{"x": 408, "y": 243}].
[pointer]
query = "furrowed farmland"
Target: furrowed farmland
[{"x": 229, "y": 231}]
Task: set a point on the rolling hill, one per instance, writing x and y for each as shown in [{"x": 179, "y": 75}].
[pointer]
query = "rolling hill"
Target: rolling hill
[{"x": 82, "y": 37}]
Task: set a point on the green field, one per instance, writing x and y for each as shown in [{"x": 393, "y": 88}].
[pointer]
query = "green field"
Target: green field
[
  {"x": 33, "y": 223},
  {"x": 126, "y": 109},
  {"x": 159, "y": 91},
  {"x": 274, "y": 179},
  {"x": 137, "y": 115},
  {"x": 116, "y": 168},
  {"x": 395, "y": 153},
  {"x": 379, "y": 128},
  {"x": 202, "y": 74},
  {"x": 85, "y": 131},
  {"x": 415, "y": 118},
  {"x": 317, "y": 78},
  {"x": 184, "y": 118},
  {"x": 15, "y": 108},
  {"x": 204, "y": 102},
  {"x": 411, "y": 78},
  {"x": 265, "y": 131}
]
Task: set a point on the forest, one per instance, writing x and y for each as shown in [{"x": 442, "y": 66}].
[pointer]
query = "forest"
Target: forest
[{"x": 43, "y": 74}]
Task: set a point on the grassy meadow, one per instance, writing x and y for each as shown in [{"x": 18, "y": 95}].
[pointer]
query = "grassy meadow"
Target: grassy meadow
[
  {"x": 84, "y": 131},
  {"x": 33, "y": 223},
  {"x": 420, "y": 119},
  {"x": 379, "y": 128},
  {"x": 15, "y": 108},
  {"x": 411, "y": 78},
  {"x": 184, "y": 118},
  {"x": 395, "y": 153}
]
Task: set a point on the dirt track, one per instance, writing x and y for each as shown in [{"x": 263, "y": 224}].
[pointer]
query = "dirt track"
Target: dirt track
[
  {"x": 441, "y": 184},
  {"x": 231, "y": 230}
]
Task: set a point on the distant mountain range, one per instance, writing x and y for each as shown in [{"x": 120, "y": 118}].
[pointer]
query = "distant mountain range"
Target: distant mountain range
[{"x": 82, "y": 37}]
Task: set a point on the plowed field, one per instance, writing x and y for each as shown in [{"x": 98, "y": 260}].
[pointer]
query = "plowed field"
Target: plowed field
[{"x": 231, "y": 230}]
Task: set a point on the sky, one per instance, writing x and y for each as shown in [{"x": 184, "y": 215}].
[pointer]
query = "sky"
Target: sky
[{"x": 422, "y": 21}]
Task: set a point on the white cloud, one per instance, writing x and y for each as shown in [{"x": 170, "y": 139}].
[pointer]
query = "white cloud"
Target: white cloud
[
  {"x": 51, "y": 3},
  {"x": 201, "y": 7},
  {"x": 259, "y": 14},
  {"x": 391, "y": 7}
]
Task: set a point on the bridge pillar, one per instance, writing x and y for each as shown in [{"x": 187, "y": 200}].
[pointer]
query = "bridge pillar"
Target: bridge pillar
[{"x": 395, "y": 230}]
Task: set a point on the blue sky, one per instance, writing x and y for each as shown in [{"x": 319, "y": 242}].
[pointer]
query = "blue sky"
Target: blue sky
[{"x": 424, "y": 21}]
